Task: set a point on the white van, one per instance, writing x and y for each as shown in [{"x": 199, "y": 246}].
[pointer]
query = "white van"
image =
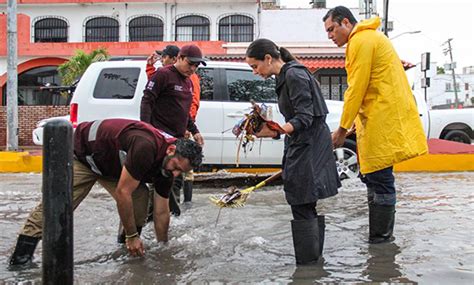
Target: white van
[{"x": 114, "y": 89}]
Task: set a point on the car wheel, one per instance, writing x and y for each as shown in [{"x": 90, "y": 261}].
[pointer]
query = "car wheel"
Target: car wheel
[
  {"x": 346, "y": 160},
  {"x": 458, "y": 136}
]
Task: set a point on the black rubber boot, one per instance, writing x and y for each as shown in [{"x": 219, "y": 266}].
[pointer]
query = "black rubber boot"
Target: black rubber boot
[
  {"x": 381, "y": 222},
  {"x": 321, "y": 229},
  {"x": 306, "y": 241},
  {"x": 121, "y": 236},
  {"x": 24, "y": 249},
  {"x": 188, "y": 191}
]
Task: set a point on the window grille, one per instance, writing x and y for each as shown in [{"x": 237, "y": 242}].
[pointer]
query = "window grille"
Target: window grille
[
  {"x": 192, "y": 28},
  {"x": 333, "y": 86},
  {"x": 102, "y": 29},
  {"x": 50, "y": 30},
  {"x": 145, "y": 28},
  {"x": 236, "y": 28}
]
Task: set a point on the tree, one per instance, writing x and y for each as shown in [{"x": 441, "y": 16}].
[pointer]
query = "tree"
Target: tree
[
  {"x": 72, "y": 70},
  {"x": 440, "y": 70}
]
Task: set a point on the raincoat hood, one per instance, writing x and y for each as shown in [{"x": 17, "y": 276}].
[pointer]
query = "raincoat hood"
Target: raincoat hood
[
  {"x": 281, "y": 77},
  {"x": 369, "y": 24}
]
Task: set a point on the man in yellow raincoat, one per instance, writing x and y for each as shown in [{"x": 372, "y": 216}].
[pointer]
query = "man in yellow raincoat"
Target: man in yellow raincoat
[{"x": 380, "y": 103}]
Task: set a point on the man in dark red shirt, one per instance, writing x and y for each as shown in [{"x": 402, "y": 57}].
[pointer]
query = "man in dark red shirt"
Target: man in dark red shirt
[
  {"x": 122, "y": 155},
  {"x": 168, "y": 97},
  {"x": 169, "y": 56}
]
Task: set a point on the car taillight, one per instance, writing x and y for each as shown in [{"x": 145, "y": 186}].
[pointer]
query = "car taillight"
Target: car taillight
[{"x": 73, "y": 114}]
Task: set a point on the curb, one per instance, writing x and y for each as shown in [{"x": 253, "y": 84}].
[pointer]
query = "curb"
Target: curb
[
  {"x": 437, "y": 163},
  {"x": 11, "y": 161}
]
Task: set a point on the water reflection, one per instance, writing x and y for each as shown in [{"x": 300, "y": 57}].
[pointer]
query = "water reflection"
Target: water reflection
[
  {"x": 310, "y": 274},
  {"x": 381, "y": 265}
]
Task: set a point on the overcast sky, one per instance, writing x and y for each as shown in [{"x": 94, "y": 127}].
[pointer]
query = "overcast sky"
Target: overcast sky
[{"x": 438, "y": 20}]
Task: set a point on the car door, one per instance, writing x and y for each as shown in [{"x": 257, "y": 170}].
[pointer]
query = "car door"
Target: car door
[
  {"x": 209, "y": 116},
  {"x": 242, "y": 86}
]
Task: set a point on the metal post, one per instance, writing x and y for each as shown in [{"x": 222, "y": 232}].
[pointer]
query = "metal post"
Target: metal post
[
  {"x": 12, "y": 78},
  {"x": 426, "y": 92},
  {"x": 57, "y": 203},
  {"x": 456, "y": 101},
  {"x": 385, "y": 17}
]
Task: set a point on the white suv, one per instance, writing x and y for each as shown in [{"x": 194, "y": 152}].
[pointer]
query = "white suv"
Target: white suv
[{"x": 114, "y": 89}]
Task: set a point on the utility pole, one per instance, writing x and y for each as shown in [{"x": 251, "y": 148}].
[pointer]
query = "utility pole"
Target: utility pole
[
  {"x": 452, "y": 66},
  {"x": 385, "y": 17},
  {"x": 12, "y": 78},
  {"x": 367, "y": 7}
]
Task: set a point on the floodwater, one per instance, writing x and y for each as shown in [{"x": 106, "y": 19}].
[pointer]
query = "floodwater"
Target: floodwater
[{"x": 434, "y": 237}]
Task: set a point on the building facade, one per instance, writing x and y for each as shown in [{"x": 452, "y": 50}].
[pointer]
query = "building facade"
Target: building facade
[
  {"x": 441, "y": 95},
  {"x": 50, "y": 31}
]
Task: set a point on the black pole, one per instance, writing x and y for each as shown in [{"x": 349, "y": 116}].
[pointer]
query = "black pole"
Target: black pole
[
  {"x": 57, "y": 203},
  {"x": 385, "y": 15}
]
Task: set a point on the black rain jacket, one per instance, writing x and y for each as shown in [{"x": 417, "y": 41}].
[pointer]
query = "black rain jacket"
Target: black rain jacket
[{"x": 309, "y": 168}]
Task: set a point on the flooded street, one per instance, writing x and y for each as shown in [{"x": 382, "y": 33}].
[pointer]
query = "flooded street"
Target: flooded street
[{"x": 434, "y": 242}]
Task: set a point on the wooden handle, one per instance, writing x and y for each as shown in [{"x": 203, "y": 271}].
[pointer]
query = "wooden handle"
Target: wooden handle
[{"x": 274, "y": 177}]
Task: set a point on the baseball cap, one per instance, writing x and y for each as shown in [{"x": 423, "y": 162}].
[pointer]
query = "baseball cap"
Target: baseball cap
[
  {"x": 170, "y": 50},
  {"x": 193, "y": 53}
]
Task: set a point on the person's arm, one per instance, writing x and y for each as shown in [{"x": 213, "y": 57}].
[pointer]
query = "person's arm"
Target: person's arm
[
  {"x": 123, "y": 197},
  {"x": 196, "y": 96},
  {"x": 301, "y": 97},
  {"x": 161, "y": 217},
  {"x": 150, "y": 65},
  {"x": 152, "y": 90},
  {"x": 146, "y": 107},
  {"x": 150, "y": 71},
  {"x": 192, "y": 128},
  {"x": 359, "y": 66}
]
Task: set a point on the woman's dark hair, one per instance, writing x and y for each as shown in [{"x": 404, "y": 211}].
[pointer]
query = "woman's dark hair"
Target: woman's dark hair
[
  {"x": 259, "y": 48},
  {"x": 191, "y": 150},
  {"x": 338, "y": 14}
]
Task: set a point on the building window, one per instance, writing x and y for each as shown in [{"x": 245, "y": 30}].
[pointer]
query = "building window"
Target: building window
[
  {"x": 448, "y": 86},
  {"x": 102, "y": 29},
  {"x": 236, "y": 28},
  {"x": 333, "y": 86},
  {"x": 50, "y": 30},
  {"x": 30, "y": 92},
  {"x": 466, "y": 86},
  {"x": 192, "y": 28},
  {"x": 145, "y": 28}
]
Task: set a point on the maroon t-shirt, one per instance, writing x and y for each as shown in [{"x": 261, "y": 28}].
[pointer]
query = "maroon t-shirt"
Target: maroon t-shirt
[
  {"x": 166, "y": 101},
  {"x": 106, "y": 147}
]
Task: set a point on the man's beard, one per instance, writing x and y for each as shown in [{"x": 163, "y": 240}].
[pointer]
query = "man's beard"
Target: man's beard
[{"x": 164, "y": 171}]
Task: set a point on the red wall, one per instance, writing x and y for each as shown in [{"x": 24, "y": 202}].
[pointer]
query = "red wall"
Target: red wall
[{"x": 28, "y": 116}]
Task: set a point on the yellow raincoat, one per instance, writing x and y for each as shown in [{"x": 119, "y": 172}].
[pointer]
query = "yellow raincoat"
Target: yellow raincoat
[{"x": 388, "y": 126}]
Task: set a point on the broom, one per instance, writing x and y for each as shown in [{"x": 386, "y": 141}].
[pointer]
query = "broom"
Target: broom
[{"x": 236, "y": 198}]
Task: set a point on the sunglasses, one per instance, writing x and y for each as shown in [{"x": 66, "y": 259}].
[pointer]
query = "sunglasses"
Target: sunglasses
[{"x": 196, "y": 64}]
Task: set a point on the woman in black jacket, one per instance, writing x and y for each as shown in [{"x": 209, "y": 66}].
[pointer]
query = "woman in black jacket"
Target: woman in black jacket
[{"x": 309, "y": 168}]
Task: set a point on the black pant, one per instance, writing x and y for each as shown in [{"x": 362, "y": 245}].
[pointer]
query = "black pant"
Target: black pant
[
  {"x": 304, "y": 211},
  {"x": 381, "y": 187}
]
